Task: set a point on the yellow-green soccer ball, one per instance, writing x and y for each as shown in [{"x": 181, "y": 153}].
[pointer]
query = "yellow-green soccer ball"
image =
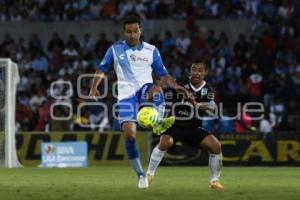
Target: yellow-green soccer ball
[{"x": 147, "y": 117}]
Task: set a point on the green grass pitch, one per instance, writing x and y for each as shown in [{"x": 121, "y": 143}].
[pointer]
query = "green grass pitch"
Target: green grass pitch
[{"x": 182, "y": 183}]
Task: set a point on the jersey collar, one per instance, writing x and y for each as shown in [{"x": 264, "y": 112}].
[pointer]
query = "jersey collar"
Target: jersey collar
[
  {"x": 199, "y": 88},
  {"x": 134, "y": 48}
]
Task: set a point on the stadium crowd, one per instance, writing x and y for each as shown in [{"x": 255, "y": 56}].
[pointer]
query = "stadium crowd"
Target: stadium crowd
[
  {"x": 60, "y": 10},
  {"x": 264, "y": 67}
]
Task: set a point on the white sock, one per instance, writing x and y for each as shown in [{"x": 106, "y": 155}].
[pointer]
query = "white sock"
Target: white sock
[
  {"x": 156, "y": 157},
  {"x": 215, "y": 163}
]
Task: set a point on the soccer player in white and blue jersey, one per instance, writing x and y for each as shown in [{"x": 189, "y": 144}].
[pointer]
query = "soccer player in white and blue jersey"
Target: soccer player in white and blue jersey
[{"x": 134, "y": 61}]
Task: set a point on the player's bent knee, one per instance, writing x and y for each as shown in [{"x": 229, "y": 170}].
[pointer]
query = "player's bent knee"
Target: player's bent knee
[
  {"x": 165, "y": 142},
  {"x": 155, "y": 89},
  {"x": 218, "y": 148},
  {"x": 211, "y": 144},
  {"x": 215, "y": 147},
  {"x": 129, "y": 134},
  {"x": 128, "y": 131}
]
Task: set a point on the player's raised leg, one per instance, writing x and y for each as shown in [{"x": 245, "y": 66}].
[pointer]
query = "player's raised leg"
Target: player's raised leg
[
  {"x": 157, "y": 155},
  {"x": 156, "y": 94},
  {"x": 213, "y": 146}
]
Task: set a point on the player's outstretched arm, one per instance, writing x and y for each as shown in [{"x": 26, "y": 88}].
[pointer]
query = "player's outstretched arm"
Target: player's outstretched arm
[
  {"x": 169, "y": 80},
  {"x": 98, "y": 76},
  {"x": 206, "y": 106}
]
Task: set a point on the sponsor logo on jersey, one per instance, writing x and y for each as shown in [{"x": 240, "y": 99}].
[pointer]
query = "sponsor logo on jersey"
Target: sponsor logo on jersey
[
  {"x": 122, "y": 56},
  {"x": 142, "y": 59},
  {"x": 204, "y": 92},
  {"x": 133, "y": 58},
  {"x": 186, "y": 113}
]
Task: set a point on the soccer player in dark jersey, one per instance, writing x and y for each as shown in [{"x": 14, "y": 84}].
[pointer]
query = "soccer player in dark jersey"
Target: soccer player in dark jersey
[{"x": 187, "y": 127}]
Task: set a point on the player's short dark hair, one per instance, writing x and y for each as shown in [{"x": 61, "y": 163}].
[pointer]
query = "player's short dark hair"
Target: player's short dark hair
[
  {"x": 200, "y": 62},
  {"x": 132, "y": 19}
]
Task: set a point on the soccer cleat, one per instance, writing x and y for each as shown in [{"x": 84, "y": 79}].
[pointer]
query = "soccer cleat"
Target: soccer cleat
[
  {"x": 216, "y": 185},
  {"x": 143, "y": 182},
  {"x": 163, "y": 125},
  {"x": 150, "y": 179}
]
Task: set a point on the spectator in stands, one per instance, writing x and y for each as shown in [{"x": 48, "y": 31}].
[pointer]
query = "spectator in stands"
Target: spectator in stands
[
  {"x": 55, "y": 60},
  {"x": 19, "y": 49},
  {"x": 60, "y": 112},
  {"x": 223, "y": 46},
  {"x": 86, "y": 15},
  {"x": 7, "y": 42},
  {"x": 161, "y": 9},
  {"x": 40, "y": 63},
  {"x": 268, "y": 9},
  {"x": 267, "y": 124},
  {"x": 44, "y": 115},
  {"x": 95, "y": 8},
  {"x": 3, "y": 14},
  {"x": 286, "y": 9},
  {"x": 55, "y": 43},
  {"x": 24, "y": 114},
  {"x": 102, "y": 44},
  {"x": 266, "y": 127},
  {"x": 155, "y": 40},
  {"x": 226, "y": 125},
  {"x": 72, "y": 40},
  {"x": 71, "y": 10},
  {"x": 109, "y": 10},
  {"x": 211, "y": 8},
  {"x": 35, "y": 43},
  {"x": 70, "y": 51},
  {"x": 168, "y": 42},
  {"x": 255, "y": 83},
  {"x": 277, "y": 109},
  {"x": 183, "y": 42},
  {"x": 252, "y": 7},
  {"x": 80, "y": 64},
  {"x": 290, "y": 117},
  {"x": 244, "y": 123},
  {"x": 87, "y": 43},
  {"x": 241, "y": 47},
  {"x": 132, "y": 6},
  {"x": 14, "y": 14}
]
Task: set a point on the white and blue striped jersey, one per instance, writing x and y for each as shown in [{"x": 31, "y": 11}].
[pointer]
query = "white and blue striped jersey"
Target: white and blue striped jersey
[{"x": 133, "y": 66}]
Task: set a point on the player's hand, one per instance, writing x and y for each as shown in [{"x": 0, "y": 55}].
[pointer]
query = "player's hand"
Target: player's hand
[{"x": 94, "y": 93}]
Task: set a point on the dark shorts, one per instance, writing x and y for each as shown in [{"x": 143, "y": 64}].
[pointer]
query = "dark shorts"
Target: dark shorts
[{"x": 190, "y": 135}]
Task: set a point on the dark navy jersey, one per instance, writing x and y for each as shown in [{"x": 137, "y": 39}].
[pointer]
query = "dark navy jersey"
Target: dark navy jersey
[{"x": 185, "y": 113}]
